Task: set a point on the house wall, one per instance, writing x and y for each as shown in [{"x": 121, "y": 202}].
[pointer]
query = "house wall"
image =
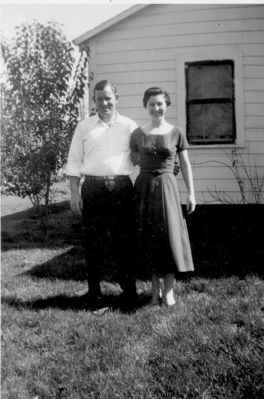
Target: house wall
[{"x": 144, "y": 50}]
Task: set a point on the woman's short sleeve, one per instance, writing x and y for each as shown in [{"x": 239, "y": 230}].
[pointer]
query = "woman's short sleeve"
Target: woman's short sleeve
[{"x": 182, "y": 143}]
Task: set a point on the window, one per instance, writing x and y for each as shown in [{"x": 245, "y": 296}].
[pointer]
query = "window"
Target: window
[{"x": 210, "y": 102}]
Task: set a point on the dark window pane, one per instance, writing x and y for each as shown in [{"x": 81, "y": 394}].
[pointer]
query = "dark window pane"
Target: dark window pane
[
  {"x": 210, "y": 102},
  {"x": 211, "y": 122},
  {"x": 210, "y": 81}
]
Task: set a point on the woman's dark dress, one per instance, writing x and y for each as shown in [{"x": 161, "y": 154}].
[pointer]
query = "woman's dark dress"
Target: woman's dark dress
[{"x": 162, "y": 236}]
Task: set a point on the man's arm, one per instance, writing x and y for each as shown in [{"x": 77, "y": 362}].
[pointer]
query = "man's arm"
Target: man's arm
[
  {"x": 73, "y": 166},
  {"x": 76, "y": 200},
  {"x": 176, "y": 168}
]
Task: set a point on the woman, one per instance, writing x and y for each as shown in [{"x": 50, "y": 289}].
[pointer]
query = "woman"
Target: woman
[{"x": 162, "y": 234}]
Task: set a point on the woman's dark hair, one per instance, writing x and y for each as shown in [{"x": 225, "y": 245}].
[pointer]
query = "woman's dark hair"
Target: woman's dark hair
[
  {"x": 103, "y": 84},
  {"x": 154, "y": 91}
]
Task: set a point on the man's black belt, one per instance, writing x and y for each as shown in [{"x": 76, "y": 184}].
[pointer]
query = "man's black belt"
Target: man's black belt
[
  {"x": 109, "y": 181},
  {"x": 107, "y": 177}
]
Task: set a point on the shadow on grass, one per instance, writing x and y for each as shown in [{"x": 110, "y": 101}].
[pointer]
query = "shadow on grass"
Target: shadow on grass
[
  {"x": 67, "y": 266},
  {"x": 208, "y": 264},
  {"x": 21, "y": 230},
  {"x": 77, "y": 303},
  {"x": 226, "y": 240}
]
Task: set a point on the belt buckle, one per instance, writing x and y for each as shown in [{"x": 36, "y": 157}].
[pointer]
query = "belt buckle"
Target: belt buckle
[{"x": 109, "y": 183}]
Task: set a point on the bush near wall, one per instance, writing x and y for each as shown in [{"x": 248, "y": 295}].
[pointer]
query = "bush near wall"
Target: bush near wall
[{"x": 227, "y": 238}]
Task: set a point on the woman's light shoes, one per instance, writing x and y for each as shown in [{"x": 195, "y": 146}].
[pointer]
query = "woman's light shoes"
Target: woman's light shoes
[{"x": 171, "y": 304}]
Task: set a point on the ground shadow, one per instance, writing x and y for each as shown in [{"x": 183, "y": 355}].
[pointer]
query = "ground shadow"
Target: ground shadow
[
  {"x": 76, "y": 303},
  {"x": 23, "y": 229},
  {"x": 226, "y": 240},
  {"x": 68, "y": 266}
]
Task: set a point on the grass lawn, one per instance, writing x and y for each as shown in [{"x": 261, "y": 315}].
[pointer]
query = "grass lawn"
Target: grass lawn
[{"x": 53, "y": 346}]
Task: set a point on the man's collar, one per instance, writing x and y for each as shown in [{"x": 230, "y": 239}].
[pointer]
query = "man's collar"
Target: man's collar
[{"x": 115, "y": 120}]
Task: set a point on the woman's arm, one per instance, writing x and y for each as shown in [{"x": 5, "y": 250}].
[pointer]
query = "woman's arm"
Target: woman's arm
[{"x": 188, "y": 179}]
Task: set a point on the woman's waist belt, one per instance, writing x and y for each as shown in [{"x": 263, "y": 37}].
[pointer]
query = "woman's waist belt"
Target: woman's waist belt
[{"x": 156, "y": 172}]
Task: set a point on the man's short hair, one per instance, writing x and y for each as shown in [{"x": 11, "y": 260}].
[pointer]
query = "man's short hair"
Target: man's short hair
[{"x": 103, "y": 84}]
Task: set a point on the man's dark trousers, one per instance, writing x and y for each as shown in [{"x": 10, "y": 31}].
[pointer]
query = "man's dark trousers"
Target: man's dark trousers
[{"x": 107, "y": 209}]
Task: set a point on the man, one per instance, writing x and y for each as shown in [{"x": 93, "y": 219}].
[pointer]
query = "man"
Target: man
[{"x": 100, "y": 152}]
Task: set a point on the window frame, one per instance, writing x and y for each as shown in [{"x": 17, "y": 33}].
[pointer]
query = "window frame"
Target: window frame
[
  {"x": 212, "y": 100},
  {"x": 236, "y": 58}
]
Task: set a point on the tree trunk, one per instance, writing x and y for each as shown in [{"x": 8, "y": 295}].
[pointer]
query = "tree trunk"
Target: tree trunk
[{"x": 46, "y": 206}]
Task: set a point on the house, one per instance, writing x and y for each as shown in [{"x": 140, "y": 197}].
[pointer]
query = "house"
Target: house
[{"x": 210, "y": 58}]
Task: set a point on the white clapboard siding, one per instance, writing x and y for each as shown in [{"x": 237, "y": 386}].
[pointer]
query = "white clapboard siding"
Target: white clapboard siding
[
  {"x": 171, "y": 42},
  {"x": 252, "y": 71},
  {"x": 218, "y": 171},
  {"x": 222, "y": 184},
  {"x": 205, "y": 198},
  {"x": 138, "y": 87},
  {"x": 254, "y": 97},
  {"x": 131, "y": 101},
  {"x": 191, "y": 14},
  {"x": 150, "y": 54},
  {"x": 255, "y": 135},
  {"x": 136, "y": 55},
  {"x": 256, "y": 147},
  {"x": 142, "y": 51},
  {"x": 254, "y": 110},
  {"x": 252, "y": 122},
  {"x": 117, "y": 68},
  {"x": 258, "y": 60},
  {"x": 254, "y": 84},
  {"x": 189, "y": 8},
  {"x": 173, "y": 29},
  {"x": 208, "y": 157},
  {"x": 252, "y": 50},
  {"x": 143, "y": 76},
  {"x": 208, "y": 11}
]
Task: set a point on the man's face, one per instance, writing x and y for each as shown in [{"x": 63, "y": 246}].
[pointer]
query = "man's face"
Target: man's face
[{"x": 105, "y": 101}]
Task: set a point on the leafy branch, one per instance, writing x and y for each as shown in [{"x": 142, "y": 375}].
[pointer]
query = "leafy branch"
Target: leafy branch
[
  {"x": 247, "y": 177},
  {"x": 40, "y": 96}
]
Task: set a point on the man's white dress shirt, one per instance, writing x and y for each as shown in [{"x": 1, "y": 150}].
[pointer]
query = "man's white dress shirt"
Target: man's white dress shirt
[{"x": 99, "y": 149}]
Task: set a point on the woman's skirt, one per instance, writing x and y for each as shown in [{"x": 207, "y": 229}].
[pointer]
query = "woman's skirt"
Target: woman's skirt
[{"x": 162, "y": 239}]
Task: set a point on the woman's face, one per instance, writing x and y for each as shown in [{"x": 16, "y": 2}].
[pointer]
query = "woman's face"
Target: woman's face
[{"x": 157, "y": 107}]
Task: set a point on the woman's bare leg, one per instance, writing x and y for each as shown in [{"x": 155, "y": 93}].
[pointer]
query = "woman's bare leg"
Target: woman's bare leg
[{"x": 168, "y": 289}]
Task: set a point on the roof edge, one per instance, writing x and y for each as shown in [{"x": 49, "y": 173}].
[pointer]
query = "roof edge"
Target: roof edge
[{"x": 107, "y": 24}]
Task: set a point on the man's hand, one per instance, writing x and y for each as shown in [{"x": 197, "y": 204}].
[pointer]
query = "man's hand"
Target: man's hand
[
  {"x": 191, "y": 203},
  {"x": 76, "y": 203},
  {"x": 176, "y": 168}
]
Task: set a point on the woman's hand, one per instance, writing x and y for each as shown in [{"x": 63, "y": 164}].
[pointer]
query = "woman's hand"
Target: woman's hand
[{"x": 190, "y": 204}]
